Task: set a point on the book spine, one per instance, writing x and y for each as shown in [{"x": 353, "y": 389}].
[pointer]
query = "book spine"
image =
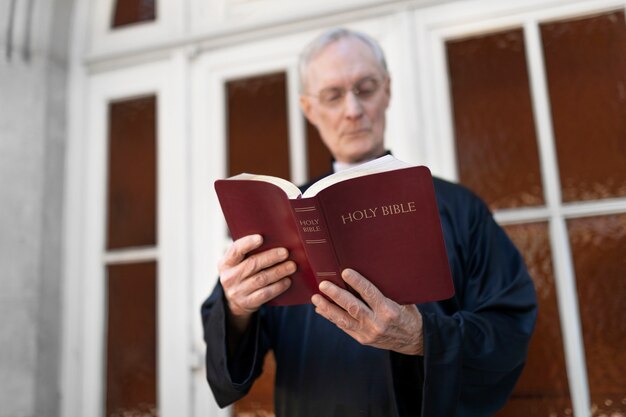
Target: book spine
[{"x": 316, "y": 240}]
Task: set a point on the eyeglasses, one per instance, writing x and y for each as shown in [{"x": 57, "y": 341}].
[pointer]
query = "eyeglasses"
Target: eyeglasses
[{"x": 363, "y": 90}]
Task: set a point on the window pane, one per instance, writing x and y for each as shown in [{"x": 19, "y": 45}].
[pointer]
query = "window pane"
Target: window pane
[
  {"x": 128, "y": 12},
  {"x": 543, "y": 388},
  {"x": 598, "y": 247},
  {"x": 496, "y": 146},
  {"x": 319, "y": 157},
  {"x": 586, "y": 69},
  {"x": 132, "y": 191},
  {"x": 131, "y": 356},
  {"x": 258, "y": 127}
]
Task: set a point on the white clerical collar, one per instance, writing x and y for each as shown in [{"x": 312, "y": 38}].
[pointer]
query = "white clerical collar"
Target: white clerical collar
[{"x": 340, "y": 166}]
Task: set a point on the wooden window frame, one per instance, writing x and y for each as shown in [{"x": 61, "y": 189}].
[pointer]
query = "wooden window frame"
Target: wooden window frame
[
  {"x": 85, "y": 293},
  {"x": 434, "y": 27}
]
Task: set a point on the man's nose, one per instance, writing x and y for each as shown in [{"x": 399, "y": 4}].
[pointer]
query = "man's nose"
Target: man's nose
[{"x": 353, "y": 106}]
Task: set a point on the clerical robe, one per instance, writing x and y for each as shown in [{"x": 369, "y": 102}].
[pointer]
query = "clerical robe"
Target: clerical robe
[{"x": 475, "y": 344}]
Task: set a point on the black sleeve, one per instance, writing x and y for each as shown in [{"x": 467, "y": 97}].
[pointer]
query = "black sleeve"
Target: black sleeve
[
  {"x": 230, "y": 376},
  {"x": 408, "y": 383}
]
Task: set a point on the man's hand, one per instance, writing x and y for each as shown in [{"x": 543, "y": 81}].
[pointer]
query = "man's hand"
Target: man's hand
[
  {"x": 377, "y": 322},
  {"x": 251, "y": 281}
]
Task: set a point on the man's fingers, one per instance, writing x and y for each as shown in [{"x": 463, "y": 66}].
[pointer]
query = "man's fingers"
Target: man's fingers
[
  {"x": 333, "y": 313},
  {"x": 269, "y": 292},
  {"x": 239, "y": 249},
  {"x": 373, "y": 321},
  {"x": 368, "y": 291},
  {"x": 345, "y": 300},
  {"x": 268, "y": 276},
  {"x": 260, "y": 261},
  {"x": 249, "y": 293}
]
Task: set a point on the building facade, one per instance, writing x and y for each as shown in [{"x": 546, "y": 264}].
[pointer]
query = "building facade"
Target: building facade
[{"x": 117, "y": 116}]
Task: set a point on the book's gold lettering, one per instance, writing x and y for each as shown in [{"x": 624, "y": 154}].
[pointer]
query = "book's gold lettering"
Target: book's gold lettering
[
  {"x": 310, "y": 225},
  {"x": 310, "y": 222},
  {"x": 391, "y": 209},
  {"x": 370, "y": 213},
  {"x": 357, "y": 215}
]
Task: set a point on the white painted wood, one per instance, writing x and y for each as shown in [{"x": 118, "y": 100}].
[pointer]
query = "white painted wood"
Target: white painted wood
[
  {"x": 402, "y": 123},
  {"x": 565, "y": 279},
  {"x": 174, "y": 280},
  {"x": 93, "y": 310},
  {"x": 213, "y": 28},
  {"x": 104, "y": 40},
  {"x": 297, "y": 126},
  {"x": 131, "y": 255},
  {"x": 522, "y": 215},
  {"x": 438, "y": 126},
  {"x": 72, "y": 352},
  {"x": 171, "y": 255}
]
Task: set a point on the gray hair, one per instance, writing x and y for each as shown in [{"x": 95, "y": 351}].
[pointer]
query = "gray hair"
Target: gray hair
[{"x": 331, "y": 36}]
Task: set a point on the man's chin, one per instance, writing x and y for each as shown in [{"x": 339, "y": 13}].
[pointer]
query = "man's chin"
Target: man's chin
[{"x": 362, "y": 154}]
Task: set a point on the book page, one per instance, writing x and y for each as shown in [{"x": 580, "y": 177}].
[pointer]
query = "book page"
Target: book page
[
  {"x": 290, "y": 189},
  {"x": 382, "y": 164}
]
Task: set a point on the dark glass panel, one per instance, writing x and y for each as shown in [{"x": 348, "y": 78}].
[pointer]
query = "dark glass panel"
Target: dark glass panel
[
  {"x": 131, "y": 355},
  {"x": 543, "y": 388},
  {"x": 586, "y": 69},
  {"x": 128, "y": 12},
  {"x": 258, "y": 127},
  {"x": 496, "y": 146},
  {"x": 319, "y": 157},
  {"x": 599, "y": 251},
  {"x": 132, "y": 173}
]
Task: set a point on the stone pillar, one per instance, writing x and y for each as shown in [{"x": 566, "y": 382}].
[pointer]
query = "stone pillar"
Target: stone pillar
[{"x": 34, "y": 36}]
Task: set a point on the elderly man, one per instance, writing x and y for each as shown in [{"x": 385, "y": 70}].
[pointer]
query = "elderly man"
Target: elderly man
[{"x": 345, "y": 356}]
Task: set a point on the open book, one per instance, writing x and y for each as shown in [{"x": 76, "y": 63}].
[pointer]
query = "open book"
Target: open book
[{"x": 379, "y": 218}]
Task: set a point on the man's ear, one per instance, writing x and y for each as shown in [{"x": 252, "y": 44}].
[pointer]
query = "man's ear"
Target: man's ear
[
  {"x": 307, "y": 108},
  {"x": 388, "y": 86},
  {"x": 387, "y": 89}
]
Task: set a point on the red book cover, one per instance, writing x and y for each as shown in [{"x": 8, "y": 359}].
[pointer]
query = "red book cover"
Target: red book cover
[{"x": 384, "y": 225}]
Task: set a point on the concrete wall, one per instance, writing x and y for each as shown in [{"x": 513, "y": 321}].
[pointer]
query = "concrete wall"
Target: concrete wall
[{"x": 33, "y": 75}]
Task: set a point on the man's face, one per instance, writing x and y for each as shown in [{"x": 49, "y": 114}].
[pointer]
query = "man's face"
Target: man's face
[{"x": 351, "y": 124}]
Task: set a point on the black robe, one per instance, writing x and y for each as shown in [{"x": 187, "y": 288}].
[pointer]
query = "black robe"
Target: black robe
[{"x": 475, "y": 343}]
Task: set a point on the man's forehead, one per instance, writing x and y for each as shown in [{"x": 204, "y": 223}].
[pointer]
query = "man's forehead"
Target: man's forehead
[{"x": 347, "y": 59}]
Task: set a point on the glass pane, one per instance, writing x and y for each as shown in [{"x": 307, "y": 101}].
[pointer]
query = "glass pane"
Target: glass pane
[
  {"x": 586, "y": 69},
  {"x": 132, "y": 188},
  {"x": 319, "y": 157},
  {"x": 258, "y": 127},
  {"x": 494, "y": 129},
  {"x": 128, "y": 12},
  {"x": 131, "y": 356},
  {"x": 543, "y": 388},
  {"x": 598, "y": 248}
]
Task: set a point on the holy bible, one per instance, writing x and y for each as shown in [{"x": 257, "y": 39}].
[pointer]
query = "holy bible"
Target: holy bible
[{"x": 379, "y": 218}]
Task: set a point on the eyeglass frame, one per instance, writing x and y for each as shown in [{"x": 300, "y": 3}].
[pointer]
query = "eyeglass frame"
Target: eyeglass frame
[{"x": 356, "y": 91}]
